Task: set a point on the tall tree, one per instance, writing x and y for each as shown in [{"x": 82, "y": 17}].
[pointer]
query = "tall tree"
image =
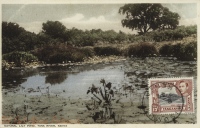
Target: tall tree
[
  {"x": 55, "y": 29},
  {"x": 146, "y": 17},
  {"x": 11, "y": 30}
]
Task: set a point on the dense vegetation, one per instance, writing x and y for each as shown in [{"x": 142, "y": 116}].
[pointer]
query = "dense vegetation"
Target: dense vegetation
[
  {"x": 60, "y": 44},
  {"x": 141, "y": 50},
  {"x": 181, "y": 51},
  {"x": 147, "y": 17}
]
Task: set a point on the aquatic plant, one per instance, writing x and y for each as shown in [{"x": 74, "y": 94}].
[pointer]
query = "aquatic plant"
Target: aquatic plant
[
  {"x": 16, "y": 110},
  {"x": 28, "y": 111},
  {"x": 103, "y": 95},
  {"x": 43, "y": 92}
]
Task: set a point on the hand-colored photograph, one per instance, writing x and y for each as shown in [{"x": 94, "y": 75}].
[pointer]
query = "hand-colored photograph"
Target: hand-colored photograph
[{"x": 92, "y": 63}]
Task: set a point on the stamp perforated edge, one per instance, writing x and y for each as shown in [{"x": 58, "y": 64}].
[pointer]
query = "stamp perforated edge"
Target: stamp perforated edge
[{"x": 165, "y": 79}]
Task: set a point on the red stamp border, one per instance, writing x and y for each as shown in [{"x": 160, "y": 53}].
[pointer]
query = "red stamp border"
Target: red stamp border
[{"x": 188, "y": 99}]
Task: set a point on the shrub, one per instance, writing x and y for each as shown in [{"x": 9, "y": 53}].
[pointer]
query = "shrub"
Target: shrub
[
  {"x": 179, "y": 34},
  {"x": 88, "y": 51},
  {"x": 77, "y": 56},
  {"x": 166, "y": 50},
  {"x": 107, "y": 51},
  {"x": 142, "y": 50},
  {"x": 176, "y": 50},
  {"x": 176, "y": 34},
  {"x": 19, "y": 57},
  {"x": 191, "y": 29},
  {"x": 58, "y": 53},
  {"x": 187, "y": 51},
  {"x": 158, "y": 36},
  {"x": 171, "y": 50}
]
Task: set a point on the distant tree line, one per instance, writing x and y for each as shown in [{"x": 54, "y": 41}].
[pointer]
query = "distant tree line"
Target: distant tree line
[
  {"x": 57, "y": 44},
  {"x": 16, "y": 38}
]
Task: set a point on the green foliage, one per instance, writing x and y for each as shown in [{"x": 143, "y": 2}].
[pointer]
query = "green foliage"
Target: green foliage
[
  {"x": 19, "y": 57},
  {"x": 182, "y": 51},
  {"x": 107, "y": 51},
  {"x": 188, "y": 51},
  {"x": 121, "y": 37},
  {"x": 15, "y": 38},
  {"x": 141, "y": 50},
  {"x": 75, "y": 36},
  {"x": 88, "y": 51},
  {"x": 109, "y": 36},
  {"x": 26, "y": 41},
  {"x": 55, "y": 29},
  {"x": 191, "y": 30},
  {"x": 103, "y": 96},
  {"x": 7, "y": 45},
  {"x": 57, "y": 53},
  {"x": 176, "y": 34},
  {"x": 145, "y": 17},
  {"x": 11, "y": 30},
  {"x": 166, "y": 50},
  {"x": 56, "y": 43},
  {"x": 44, "y": 39}
]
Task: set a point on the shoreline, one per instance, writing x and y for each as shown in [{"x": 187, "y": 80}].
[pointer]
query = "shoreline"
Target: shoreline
[{"x": 90, "y": 60}]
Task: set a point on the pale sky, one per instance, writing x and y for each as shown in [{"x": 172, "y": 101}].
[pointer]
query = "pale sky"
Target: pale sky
[{"x": 83, "y": 16}]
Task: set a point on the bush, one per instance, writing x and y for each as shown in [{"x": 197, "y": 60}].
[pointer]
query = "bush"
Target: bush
[
  {"x": 158, "y": 36},
  {"x": 176, "y": 34},
  {"x": 19, "y": 57},
  {"x": 171, "y": 50},
  {"x": 88, "y": 51},
  {"x": 188, "y": 51},
  {"x": 142, "y": 50},
  {"x": 58, "y": 53},
  {"x": 181, "y": 51},
  {"x": 191, "y": 29},
  {"x": 107, "y": 51},
  {"x": 166, "y": 50},
  {"x": 179, "y": 34}
]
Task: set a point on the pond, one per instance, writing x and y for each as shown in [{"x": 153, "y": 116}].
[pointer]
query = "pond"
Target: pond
[
  {"x": 67, "y": 81},
  {"x": 74, "y": 80},
  {"x": 68, "y": 85}
]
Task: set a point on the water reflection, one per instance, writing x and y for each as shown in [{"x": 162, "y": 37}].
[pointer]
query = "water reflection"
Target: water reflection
[
  {"x": 55, "y": 78},
  {"x": 15, "y": 77}
]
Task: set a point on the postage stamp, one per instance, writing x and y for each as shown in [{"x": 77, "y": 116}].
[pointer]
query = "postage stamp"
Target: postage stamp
[{"x": 171, "y": 95}]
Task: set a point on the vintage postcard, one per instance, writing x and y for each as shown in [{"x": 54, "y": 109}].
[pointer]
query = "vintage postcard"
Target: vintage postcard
[{"x": 101, "y": 63}]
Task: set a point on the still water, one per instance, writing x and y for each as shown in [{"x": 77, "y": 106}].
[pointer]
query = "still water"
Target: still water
[
  {"x": 67, "y": 81},
  {"x": 73, "y": 81}
]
